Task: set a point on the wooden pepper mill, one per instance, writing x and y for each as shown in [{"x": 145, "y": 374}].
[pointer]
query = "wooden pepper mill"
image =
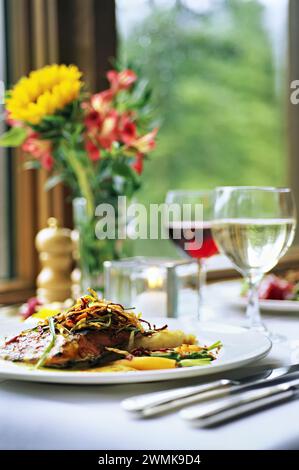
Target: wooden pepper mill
[{"x": 55, "y": 247}]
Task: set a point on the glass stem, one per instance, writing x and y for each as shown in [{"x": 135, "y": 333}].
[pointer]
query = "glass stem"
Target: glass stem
[
  {"x": 253, "y": 310},
  {"x": 201, "y": 280}
]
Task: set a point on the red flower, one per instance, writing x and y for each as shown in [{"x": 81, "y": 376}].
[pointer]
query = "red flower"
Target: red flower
[
  {"x": 40, "y": 149},
  {"x": 108, "y": 130},
  {"x": 101, "y": 132},
  {"x": 145, "y": 143},
  {"x": 127, "y": 131},
  {"x": 121, "y": 80},
  {"x": 138, "y": 164},
  {"x": 93, "y": 119},
  {"x": 47, "y": 161},
  {"x": 92, "y": 150},
  {"x": 101, "y": 102}
]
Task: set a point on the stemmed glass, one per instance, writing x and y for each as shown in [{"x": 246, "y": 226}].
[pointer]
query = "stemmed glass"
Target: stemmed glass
[
  {"x": 254, "y": 227},
  {"x": 190, "y": 229}
]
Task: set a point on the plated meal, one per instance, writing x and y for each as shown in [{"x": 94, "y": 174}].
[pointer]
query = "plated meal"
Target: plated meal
[{"x": 101, "y": 336}]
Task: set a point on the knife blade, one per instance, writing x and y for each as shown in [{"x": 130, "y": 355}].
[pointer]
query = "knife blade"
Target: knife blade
[
  {"x": 148, "y": 405},
  {"x": 234, "y": 406}
]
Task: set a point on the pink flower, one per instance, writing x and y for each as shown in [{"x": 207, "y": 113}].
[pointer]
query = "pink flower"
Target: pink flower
[
  {"x": 40, "y": 149},
  {"x": 138, "y": 164},
  {"x": 92, "y": 150},
  {"x": 145, "y": 143},
  {"x": 121, "y": 80}
]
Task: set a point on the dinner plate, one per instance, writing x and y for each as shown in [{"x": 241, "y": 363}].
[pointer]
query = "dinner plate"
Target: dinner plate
[
  {"x": 240, "y": 347},
  {"x": 230, "y": 291}
]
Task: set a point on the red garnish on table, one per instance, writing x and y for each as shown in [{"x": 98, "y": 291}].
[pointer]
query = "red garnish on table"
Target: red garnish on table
[
  {"x": 30, "y": 307},
  {"x": 275, "y": 288}
]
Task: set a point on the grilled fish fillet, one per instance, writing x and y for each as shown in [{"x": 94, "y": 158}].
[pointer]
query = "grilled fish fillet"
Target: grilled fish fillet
[
  {"x": 78, "y": 349},
  {"x": 82, "y": 336},
  {"x": 83, "y": 348}
]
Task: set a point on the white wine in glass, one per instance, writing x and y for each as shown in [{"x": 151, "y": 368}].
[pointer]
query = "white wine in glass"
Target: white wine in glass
[{"x": 254, "y": 227}]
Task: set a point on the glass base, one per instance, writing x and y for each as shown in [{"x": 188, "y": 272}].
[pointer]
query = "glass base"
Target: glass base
[
  {"x": 261, "y": 328},
  {"x": 276, "y": 337}
]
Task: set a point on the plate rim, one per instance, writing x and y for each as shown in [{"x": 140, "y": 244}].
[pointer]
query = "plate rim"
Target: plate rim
[{"x": 113, "y": 378}]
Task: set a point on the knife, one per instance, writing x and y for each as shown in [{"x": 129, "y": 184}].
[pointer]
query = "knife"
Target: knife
[
  {"x": 232, "y": 407},
  {"x": 151, "y": 404}
]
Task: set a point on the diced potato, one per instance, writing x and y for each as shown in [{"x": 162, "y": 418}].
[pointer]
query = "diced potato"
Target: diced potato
[
  {"x": 148, "y": 363},
  {"x": 164, "y": 339},
  {"x": 188, "y": 348}
]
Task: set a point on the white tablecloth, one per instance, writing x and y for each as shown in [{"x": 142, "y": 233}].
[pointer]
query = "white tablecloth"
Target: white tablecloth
[{"x": 44, "y": 416}]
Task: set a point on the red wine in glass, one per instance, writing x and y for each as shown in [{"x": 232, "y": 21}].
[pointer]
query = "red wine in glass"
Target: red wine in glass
[{"x": 185, "y": 236}]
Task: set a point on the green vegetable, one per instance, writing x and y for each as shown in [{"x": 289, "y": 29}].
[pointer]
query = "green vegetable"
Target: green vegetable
[
  {"x": 195, "y": 358},
  {"x": 216, "y": 345},
  {"x": 195, "y": 362},
  {"x": 169, "y": 355},
  {"x": 45, "y": 354}
]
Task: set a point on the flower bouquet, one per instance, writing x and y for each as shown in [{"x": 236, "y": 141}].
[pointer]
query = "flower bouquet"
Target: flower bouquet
[{"x": 94, "y": 144}]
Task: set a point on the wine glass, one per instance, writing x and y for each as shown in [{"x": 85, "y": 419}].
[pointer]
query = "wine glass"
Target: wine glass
[
  {"x": 190, "y": 229},
  {"x": 254, "y": 227}
]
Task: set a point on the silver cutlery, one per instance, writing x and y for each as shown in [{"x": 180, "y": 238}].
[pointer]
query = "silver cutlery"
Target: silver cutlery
[
  {"x": 151, "y": 404},
  {"x": 234, "y": 406}
]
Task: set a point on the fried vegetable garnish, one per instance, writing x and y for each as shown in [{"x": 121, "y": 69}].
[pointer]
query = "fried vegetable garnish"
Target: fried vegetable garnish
[{"x": 92, "y": 313}]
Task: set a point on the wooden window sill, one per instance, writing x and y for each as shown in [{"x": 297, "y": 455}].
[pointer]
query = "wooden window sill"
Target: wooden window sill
[
  {"x": 219, "y": 268},
  {"x": 15, "y": 291}
]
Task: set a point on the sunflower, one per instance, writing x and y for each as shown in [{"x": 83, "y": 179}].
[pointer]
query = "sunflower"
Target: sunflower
[{"x": 43, "y": 92}]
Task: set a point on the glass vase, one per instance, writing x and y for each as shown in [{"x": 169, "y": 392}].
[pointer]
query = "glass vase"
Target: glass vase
[{"x": 92, "y": 251}]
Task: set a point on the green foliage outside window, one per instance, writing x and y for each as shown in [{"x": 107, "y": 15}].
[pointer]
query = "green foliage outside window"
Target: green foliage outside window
[{"x": 216, "y": 93}]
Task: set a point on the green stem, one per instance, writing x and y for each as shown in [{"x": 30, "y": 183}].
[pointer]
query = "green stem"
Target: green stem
[
  {"x": 48, "y": 349},
  {"x": 83, "y": 181}
]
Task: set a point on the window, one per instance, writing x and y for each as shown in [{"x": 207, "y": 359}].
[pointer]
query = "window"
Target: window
[
  {"x": 6, "y": 238},
  {"x": 218, "y": 71},
  {"x": 37, "y": 33},
  {"x": 219, "y": 75}
]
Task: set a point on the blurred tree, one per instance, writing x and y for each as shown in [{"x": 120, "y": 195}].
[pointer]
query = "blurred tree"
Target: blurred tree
[{"x": 213, "y": 79}]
